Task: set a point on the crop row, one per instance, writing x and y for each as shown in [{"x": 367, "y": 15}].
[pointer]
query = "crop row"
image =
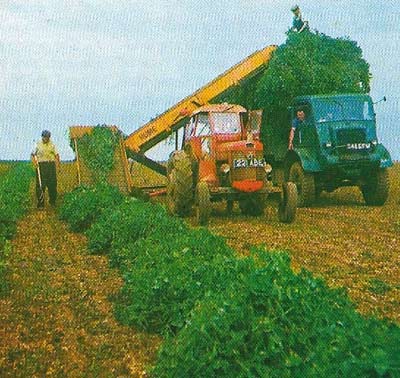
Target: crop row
[
  {"x": 222, "y": 315},
  {"x": 14, "y": 202}
]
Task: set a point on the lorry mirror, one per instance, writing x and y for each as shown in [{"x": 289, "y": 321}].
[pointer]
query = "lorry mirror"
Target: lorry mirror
[{"x": 382, "y": 99}]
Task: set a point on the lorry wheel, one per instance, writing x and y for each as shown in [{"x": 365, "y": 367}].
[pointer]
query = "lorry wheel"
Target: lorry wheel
[
  {"x": 376, "y": 191},
  {"x": 253, "y": 204},
  {"x": 203, "y": 202},
  {"x": 288, "y": 203},
  {"x": 180, "y": 185},
  {"x": 305, "y": 184}
]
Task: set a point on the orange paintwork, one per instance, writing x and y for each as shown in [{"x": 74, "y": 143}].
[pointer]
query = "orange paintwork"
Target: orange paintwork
[
  {"x": 223, "y": 149},
  {"x": 248, "y": 186},
  {"x": 208, "y": 172}
]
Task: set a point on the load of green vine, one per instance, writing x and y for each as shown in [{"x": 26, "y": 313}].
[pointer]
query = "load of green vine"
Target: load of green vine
[
  {"x": 97, "y": 151},
  {"x": 308, "y": 63}
]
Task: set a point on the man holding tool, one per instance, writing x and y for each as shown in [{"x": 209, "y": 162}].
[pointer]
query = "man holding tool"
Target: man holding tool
[{"x": 45, "y": 157}]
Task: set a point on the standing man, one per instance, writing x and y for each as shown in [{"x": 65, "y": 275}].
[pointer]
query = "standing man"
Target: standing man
[
  {"x": 45, "y": 157},
  {"x": 298, "y": 24},
  {"x": 297, "y": 123}
]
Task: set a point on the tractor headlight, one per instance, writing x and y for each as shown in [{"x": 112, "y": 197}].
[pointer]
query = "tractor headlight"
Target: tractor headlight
[
  {"x": 225, "y": 168},
  {"x": 267, "y": 168}
]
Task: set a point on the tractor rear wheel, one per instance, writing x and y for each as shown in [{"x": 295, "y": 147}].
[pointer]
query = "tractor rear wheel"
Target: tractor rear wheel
[
  {"x": 203, "y": 202},
  {"x": 376, "y": 191},
  {"x": 180, "y": 185},
  {"x": 288, "y": 203},
  {"x": 252, "y": 204},
  {"x": 305, "y": 184}
]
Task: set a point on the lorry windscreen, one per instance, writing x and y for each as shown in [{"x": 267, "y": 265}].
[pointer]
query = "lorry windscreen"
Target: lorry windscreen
[
  {"x": 226, "y": 123},
  {"x": 349, "y": 109}
]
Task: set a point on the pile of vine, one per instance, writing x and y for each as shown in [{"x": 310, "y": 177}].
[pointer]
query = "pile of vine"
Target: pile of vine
[
  {"x": 97, "y": 151},
  {"x": 308, "y": 63},
  {"x": 14, "y": 202},
  {"x": 227, "y": 316}
]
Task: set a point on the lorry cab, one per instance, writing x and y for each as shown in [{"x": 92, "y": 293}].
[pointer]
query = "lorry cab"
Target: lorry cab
[{"x": 337, "y": 145}]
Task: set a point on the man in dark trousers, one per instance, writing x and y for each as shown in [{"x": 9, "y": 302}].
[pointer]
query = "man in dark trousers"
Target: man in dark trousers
[{"x": 45, "y": 157}]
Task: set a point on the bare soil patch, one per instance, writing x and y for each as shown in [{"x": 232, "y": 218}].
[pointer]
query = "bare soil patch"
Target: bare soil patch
[{"x": 58, "y": 320}]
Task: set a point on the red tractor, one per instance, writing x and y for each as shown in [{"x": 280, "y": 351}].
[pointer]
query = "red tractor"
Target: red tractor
[{"x": 222, "y": 159}]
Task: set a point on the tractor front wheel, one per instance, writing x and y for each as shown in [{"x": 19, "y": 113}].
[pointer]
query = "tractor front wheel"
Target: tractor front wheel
[
  {"x": 305, "y": 184},
  {"x": 376, "y": 191},
  {"x": 180, "y": 185},
  {"x": 203, "y": 202},
  {"x": 288, "y": 203}
]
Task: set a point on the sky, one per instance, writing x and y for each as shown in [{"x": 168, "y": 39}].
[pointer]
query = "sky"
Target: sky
[{"x": 90, "y": 62}]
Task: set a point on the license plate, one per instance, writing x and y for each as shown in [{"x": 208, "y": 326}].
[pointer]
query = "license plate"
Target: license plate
[
  {"x": 358, "y": 146},
  {"x": 248, "y": 163}
]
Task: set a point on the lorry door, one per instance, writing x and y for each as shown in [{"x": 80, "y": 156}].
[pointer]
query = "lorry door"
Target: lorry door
[{"x": 305, "y": 133}]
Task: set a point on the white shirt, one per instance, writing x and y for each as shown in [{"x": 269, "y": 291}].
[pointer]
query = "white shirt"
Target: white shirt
[{"x": 45, "y": 151}]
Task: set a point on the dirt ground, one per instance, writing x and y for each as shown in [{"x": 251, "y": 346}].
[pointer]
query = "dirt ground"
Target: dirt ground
[
  {"x": 339, "y": 238},
  {"x": 58, "y": 319}
]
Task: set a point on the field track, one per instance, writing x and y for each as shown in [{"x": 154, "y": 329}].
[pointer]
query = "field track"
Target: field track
[
  {"x": 58, "y": 321},
  {"x": 340, "y": 239}
]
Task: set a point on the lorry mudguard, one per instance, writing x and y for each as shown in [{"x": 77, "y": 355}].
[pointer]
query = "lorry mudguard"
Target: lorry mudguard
[
  {"x": 386, "y": 160},
  {"x": 308, "y": 159}
]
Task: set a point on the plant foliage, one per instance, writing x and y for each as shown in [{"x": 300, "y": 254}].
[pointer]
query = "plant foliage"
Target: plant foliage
[
  {"x": 308, "y": 63},
  {"x": 131, "y": 220},
  {"x": 228, "y": 317},
  {"x": 84, "y": 205},
  {"x": 271, "y": 322},
  {"x": 169, "y": 275},
  {"x": 14, "y": 202},
  {"x": 97, "y": 150}
]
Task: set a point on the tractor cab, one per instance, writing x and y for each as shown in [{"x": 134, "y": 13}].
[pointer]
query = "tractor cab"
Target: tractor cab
[{"x": 224, "y": 141}]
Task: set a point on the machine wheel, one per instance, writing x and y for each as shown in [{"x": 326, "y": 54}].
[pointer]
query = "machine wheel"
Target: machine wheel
[
  {"x": 203, "y": 202},
  {"x": 305, "y": 184},
  {"x": 376, "y": 191},
  {"x": 288, "y": 203},
  {"x": 252, "y": 204},
  {"x": 180, "y": 185}
]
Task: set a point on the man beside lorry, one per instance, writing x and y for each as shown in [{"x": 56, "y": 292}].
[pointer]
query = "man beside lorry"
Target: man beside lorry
[{"x": 297, "y": 124}]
